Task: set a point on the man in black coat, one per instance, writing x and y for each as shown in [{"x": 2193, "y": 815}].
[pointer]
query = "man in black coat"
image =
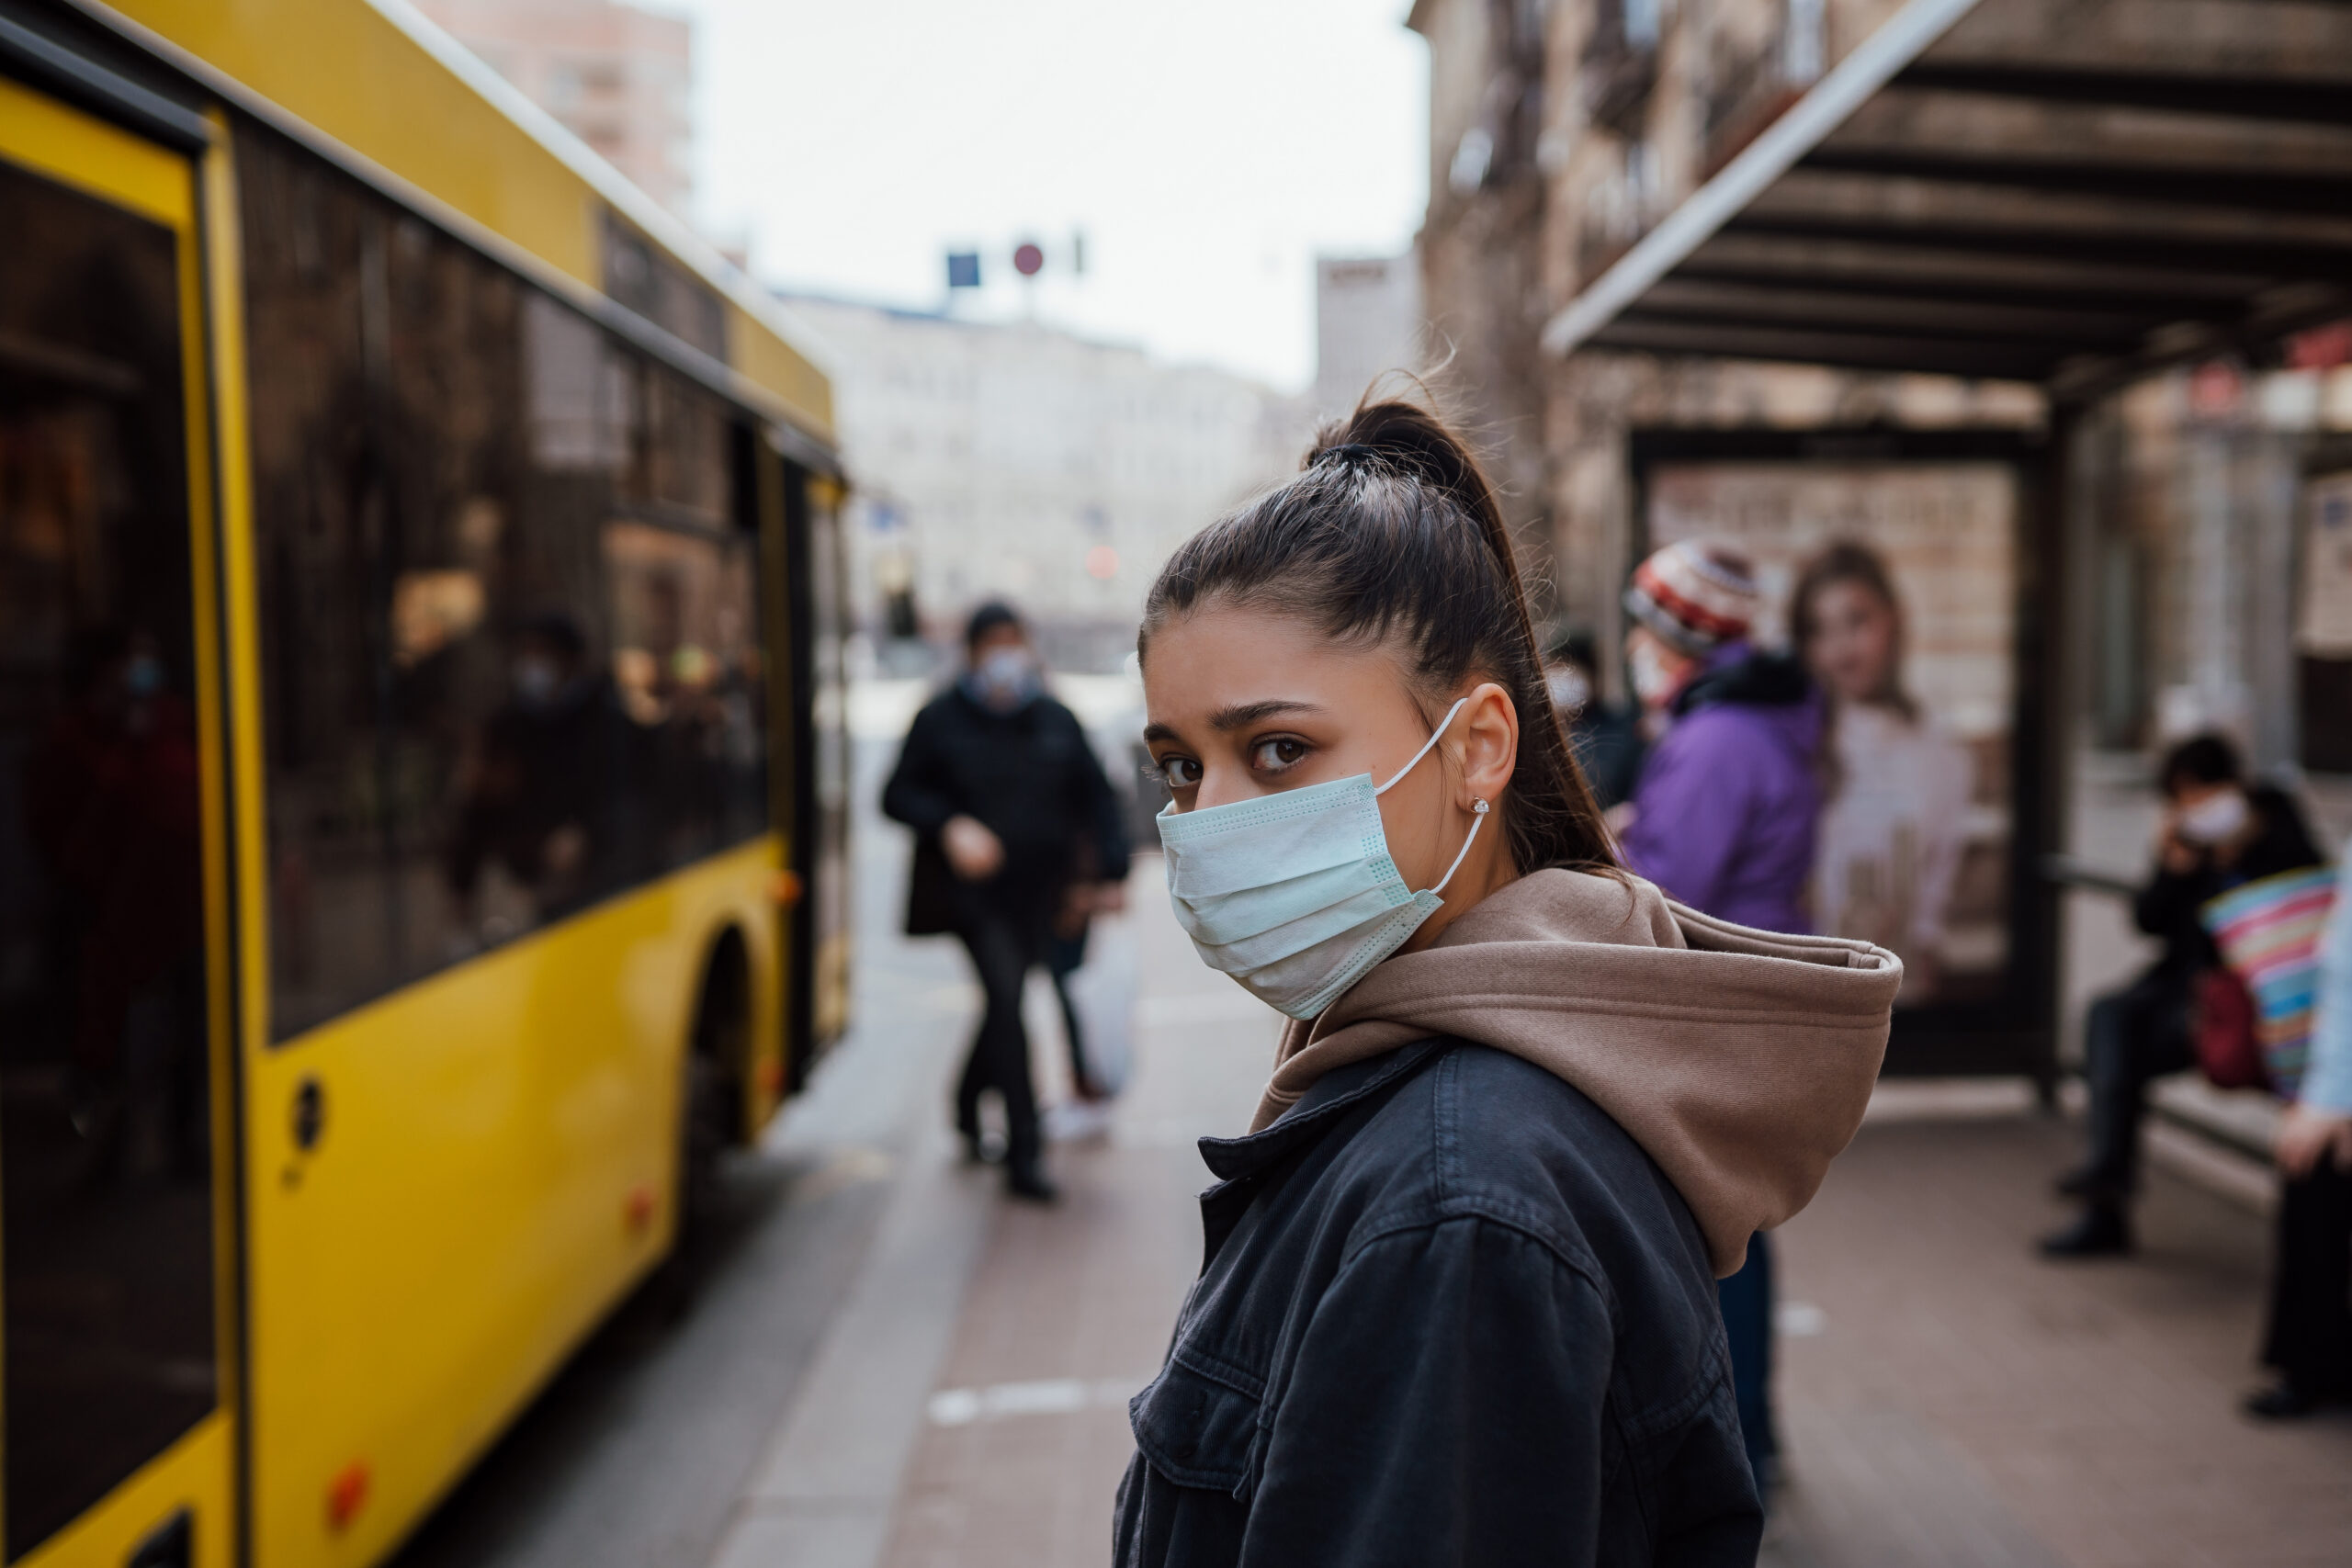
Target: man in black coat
[
  {"x": 2218, "y": 833},
  {"x": 1011, "y": 813}
]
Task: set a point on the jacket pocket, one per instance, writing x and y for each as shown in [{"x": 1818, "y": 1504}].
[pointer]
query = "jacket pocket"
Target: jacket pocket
[{"x": 1196, "y": 1423}]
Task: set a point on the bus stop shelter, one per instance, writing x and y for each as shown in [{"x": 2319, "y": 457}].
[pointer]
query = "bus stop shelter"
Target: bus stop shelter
[{"x": 2075, "y": 197}]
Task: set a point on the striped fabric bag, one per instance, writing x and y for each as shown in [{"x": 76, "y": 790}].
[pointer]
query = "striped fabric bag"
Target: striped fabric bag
[{"x": 2269, "y": 933}]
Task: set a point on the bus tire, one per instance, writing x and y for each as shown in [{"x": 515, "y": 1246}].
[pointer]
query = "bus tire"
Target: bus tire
[{"x": 709, "y": 1106}]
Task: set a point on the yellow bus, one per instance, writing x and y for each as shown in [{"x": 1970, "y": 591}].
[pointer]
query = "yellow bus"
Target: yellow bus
[{"x": 420, "y": 787}]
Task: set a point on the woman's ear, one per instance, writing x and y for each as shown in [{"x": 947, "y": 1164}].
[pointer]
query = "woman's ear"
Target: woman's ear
[{"x": 1489, "y": 742}]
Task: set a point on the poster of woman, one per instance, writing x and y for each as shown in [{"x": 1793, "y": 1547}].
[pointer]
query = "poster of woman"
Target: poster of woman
[
  {"x": 1889, "y": 844},
  {"x": 1895, "y": 584}
]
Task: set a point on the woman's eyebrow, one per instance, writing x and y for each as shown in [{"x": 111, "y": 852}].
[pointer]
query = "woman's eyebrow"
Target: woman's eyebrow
[{"x": 1245, "y": 713}]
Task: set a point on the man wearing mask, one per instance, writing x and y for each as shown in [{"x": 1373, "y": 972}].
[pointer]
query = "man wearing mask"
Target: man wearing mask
[
  {"x": 2217, "y": 833},
  {"x": 1005, "y": 797},
  {"x": 1722, "y": 819}
]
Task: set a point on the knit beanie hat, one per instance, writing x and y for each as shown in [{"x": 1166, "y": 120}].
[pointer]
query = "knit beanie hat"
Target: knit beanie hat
[{"x": 1697, "y": 595}]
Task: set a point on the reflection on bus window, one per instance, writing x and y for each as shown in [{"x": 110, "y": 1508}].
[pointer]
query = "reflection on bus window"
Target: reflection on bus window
[
  {"x": 107, "y": 1302},
  {"x": 541, "y": 792},
  {"x": 687, "y": 668},
  {"x": 508, "y": 634}
]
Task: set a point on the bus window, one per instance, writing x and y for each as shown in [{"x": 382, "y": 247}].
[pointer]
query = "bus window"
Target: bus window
[
  {"x": 687, "y": 668},
  {"x": 507, "y": 640},
  {"x": 104, "y": 1156}
]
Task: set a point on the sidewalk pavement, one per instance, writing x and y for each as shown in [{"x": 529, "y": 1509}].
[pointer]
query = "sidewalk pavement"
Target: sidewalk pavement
[
  {"x": 1950, "y": 1398},
  {"x": 1948, "y": 1401},
  {"x": 969, "y": 1404}
]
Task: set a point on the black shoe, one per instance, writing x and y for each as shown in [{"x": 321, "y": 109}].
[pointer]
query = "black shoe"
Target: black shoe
[
  {"x": 2282, "y": 1400},
  {"x": 1026, "y": 1180},
  {"x": 2084, "y": 1182},
  {"x": 2102, "y": 1232}
]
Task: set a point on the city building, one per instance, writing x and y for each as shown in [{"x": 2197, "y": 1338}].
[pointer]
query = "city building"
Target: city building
[
  {"x": 1019, "y": 461},
  {"x": 1481, "y": 247},
  {"x": 617, "y": 76},
  {"x": 2039, "y": 307},
  {"x": 1367, "y": 324}
]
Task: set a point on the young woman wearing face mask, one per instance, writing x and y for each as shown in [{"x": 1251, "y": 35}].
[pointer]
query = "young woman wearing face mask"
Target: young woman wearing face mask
[
  {"x": 1458, "y": 1301},
  {"x": 2217, "y": 833}
]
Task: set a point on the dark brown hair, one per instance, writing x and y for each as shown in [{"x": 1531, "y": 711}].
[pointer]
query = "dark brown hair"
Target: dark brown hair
[
  {"x": 1392, "y": 530},
  {"x": 2206, "y": 758},
  {"x": 1847, "y": 561}
]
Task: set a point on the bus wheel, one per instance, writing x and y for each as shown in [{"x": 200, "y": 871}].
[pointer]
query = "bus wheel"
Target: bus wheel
[{"x": 710, "y": 1108}]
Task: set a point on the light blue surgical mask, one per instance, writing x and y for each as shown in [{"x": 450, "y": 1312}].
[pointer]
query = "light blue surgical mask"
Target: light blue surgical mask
[
  {"x": 1005, "y": 680},
  {"x": 1295, "y": 895}
]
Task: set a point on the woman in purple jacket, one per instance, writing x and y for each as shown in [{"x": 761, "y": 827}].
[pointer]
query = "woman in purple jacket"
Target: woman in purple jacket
[
  {"x": 1724, "y": 820},
  {"x": 1724, "y": 816}
]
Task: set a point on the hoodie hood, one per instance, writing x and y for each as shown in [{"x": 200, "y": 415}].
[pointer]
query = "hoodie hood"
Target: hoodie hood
[{"x": 1740, "y": 1060}]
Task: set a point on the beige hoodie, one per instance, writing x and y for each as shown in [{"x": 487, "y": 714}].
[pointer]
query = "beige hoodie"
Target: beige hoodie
[{"x": 1740, "y": 1060}]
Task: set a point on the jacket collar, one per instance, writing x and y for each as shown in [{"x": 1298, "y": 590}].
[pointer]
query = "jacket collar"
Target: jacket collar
[
  {"x": 1305, "y": 1123},
  {"x": 1737, "y": 673}
]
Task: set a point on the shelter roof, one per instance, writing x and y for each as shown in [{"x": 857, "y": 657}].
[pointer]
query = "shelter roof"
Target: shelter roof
[{"x": 2070, "y": 195}]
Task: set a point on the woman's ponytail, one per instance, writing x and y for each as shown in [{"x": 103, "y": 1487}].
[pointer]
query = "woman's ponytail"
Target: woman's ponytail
[{"x": 1392, "y": 529}]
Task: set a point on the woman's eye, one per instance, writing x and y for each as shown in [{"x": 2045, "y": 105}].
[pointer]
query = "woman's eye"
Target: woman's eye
[
  {"x": 1272, "y": 756},
  {"x": 1181, "y": 773}
]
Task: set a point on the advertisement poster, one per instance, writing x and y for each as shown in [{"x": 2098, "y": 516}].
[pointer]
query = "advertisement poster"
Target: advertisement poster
[
  {"x": 2323, "y": 614},
  {"x": 1897, "y": 585}
]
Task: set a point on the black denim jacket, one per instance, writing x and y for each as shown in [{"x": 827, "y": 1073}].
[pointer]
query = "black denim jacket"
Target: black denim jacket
[{"x": 1450, "y": 1315}]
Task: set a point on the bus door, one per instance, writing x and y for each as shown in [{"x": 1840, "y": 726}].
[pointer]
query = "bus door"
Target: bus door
[{"x": 116, "y": 1227}]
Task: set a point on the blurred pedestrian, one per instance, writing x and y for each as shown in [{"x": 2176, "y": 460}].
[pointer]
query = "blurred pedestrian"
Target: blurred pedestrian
[
  {"x": 1724, "y": 818},
  {"x": 1457, "y": 1301},
  {"x": 1606, "y": 737},
  {"x": 2309, "y": 1343},
  {"x": 1724, "y": 813},
  {"x": 1008, "y": 804},
  {"x": 544, "y": 785},
  {"x": 111, "y": 801},
  {"x": 2218, "y": 833}
]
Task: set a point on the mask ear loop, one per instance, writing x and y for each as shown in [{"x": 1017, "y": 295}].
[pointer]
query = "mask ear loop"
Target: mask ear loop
[
  {"x": 1424, "y": 752},
  {"x": 1480, "y": 807}
]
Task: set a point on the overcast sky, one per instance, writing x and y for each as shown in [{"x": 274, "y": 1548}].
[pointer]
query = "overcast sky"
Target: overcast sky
[{"x": 1208, "y": 150}]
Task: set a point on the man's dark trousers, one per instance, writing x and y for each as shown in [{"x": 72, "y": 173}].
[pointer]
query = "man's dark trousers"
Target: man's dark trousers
[
  {"x": 2311, "y": 1324},
  {"x": 2132, "y": 1036},
  {"x": 1006, "y": 939}
]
